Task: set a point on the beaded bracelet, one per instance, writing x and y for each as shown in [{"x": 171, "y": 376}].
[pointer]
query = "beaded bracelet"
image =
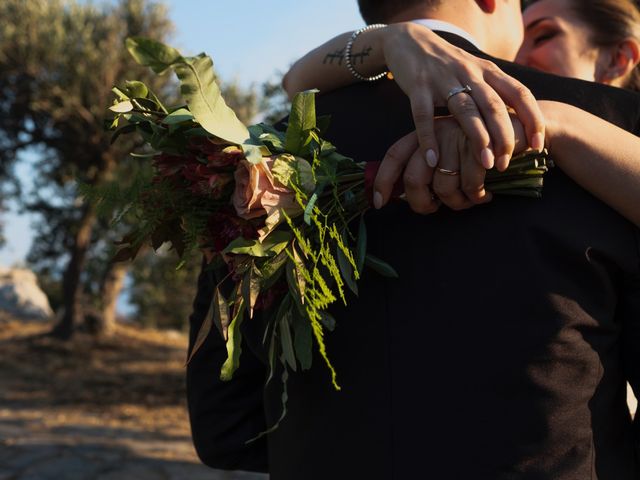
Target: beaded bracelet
[{"x": 347, "y": 54}]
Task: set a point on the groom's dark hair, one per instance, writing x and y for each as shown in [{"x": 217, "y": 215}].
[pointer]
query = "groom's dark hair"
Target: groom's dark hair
[{"x": 380, "y": 11}]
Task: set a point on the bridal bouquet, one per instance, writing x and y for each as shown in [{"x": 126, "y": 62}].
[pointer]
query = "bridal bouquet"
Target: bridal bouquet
[{"x": 276, "y": 210}]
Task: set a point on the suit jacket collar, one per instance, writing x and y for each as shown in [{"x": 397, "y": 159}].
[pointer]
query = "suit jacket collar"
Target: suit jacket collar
[
  {"x": 458, "y": 41},
  {"x": 442, "y": 26}
]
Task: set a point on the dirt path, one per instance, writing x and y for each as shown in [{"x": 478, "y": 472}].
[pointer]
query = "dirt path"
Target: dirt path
[{"x": 91, "y": 409}]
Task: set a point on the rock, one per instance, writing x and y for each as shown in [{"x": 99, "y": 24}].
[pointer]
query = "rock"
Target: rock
[{"x": 21, "y": 296}]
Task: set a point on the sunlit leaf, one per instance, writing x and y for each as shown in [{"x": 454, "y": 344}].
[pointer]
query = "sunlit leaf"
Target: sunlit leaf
[
  {"x": 272, "y": 245},
  {"x": 284, "y": 328},
  {"x": 221, "y": 317},
  {"x": 122, "y": 107},
  {"x": 234, "y": 341},
  {"x": 251, "y": 288},
  {"x": 197, "y": 85},
  {"x": 203, "y": 331},
  {"x": 346, "y": 269},
  {"x": 178, "y": 116},
  {"x": 136, "y": 88},
  {"x": 303, "y": 340},
  {"x": 301, "y": 121}
]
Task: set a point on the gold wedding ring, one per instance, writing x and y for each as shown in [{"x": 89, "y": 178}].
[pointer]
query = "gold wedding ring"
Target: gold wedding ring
[
  {"x": 451, "y": 173},
  {"x": 456, "y": 90}
]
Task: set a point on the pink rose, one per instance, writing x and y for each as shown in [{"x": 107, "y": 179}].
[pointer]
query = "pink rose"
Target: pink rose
[{"x": 258, "y": 193}]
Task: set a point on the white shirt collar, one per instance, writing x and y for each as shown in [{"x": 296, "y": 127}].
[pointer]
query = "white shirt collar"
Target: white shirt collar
[{"x": 441, "y": 26}]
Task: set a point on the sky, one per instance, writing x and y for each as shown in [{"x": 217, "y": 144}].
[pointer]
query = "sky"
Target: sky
[{"x": 249, "y": 40}]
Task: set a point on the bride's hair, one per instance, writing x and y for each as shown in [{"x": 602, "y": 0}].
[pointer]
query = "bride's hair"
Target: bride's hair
[
  {"x": 380, "y": 11},
  {"x": 610, "y": 22}
]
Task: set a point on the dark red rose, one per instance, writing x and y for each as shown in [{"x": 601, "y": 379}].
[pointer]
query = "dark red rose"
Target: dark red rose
[
  {"x": 267, "y": 299},
  {"x": 225, "y": 226},
  {"x": 215, "y": 155}
]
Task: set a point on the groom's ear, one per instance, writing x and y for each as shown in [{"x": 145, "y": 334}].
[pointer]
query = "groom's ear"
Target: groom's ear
[
  {"x": 617, "y": 62},
  {"x": 487, "y": 6}
]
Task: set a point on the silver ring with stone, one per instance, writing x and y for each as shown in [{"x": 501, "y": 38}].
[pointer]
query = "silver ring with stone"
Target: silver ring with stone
[{"x": 456, "y": 90}]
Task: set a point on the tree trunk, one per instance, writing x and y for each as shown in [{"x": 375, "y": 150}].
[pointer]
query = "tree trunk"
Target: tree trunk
[
  {"x": 111, "y": 288},
  {"x": 71, "y": 288}
]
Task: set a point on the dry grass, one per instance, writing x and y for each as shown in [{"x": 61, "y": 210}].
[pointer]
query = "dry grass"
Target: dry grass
[{"x": 134, "y": 378}]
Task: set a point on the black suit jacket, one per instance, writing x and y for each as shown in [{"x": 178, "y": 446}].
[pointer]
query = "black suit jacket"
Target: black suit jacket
[{"x": 501, "y": 352}]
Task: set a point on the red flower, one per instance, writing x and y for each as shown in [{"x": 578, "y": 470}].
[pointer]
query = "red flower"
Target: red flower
[
  {"x": 216, "y": 155},
  {"x": 267, "y": 299},
  {"x": 225, "y": 226},
  {"x": 168, "y": 165}
]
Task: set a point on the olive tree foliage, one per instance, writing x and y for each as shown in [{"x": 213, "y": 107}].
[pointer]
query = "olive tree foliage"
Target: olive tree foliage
[{"x": 59, "y": 60}]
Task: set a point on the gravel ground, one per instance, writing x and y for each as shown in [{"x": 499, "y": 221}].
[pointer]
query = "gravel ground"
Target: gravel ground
[{"x": 90, "y": 409}]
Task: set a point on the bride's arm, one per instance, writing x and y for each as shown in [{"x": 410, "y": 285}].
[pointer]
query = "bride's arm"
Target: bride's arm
[
  {"x": 426, "y": 68},
  {"x": 600, "y": 157}
]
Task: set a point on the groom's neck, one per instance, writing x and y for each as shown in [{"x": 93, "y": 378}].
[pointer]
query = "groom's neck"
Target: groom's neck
[{"x": 465, "y": 15}]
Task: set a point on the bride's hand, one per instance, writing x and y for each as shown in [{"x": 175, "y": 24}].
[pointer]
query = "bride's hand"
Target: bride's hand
[
  {"x": 427, "y": 68},
  {"x": 457, "y": 182}
]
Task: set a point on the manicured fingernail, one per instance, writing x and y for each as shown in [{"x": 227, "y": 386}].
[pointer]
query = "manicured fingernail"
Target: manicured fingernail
[
  {"x": 432, "y": 158},
  {"x": 502, "y": 162},
  {"x": 537, "y": 141},
  {"x": 487, "y": 158},
  {"x": 377, "y": 200}
]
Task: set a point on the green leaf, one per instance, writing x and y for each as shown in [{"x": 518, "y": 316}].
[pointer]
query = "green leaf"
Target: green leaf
[
  {"x": 145, "y": 104},
  {"x": 272, "y": 245},
  {"x": 327, "y": 320},
  {"x": 303, "y": 340},
  {"x": 295, "y": 284},
  {"x": 379, "y": 266},
  {"x": 309, "y": 208},
  {"x": 294, "y": 173},
  {"x": 135, "y": 88},
  {"x": 120, "y": 94},
  {"x": 271, "y": 270},
  {"x": 153, "y": 54},
  {"x": 268, "y": 135},
  {"x": 284, "y": 327},
  {"x": 302, "y": 121},
  {"x": 361, "y": 252},
  {"x": 203, "y": 331},
  {"x": 271, "y": 356},
  {"x": 284, "y": 399},
  {"x": 346, "y": 269},
  {"x": 197, "y": 85},
  {"x": 234, "y": 342},
  {"x": 129, "y": 128},
  {"x": 122, "y": 107},
  {"x": 253, "y": 153},
  {"x": 251, "y": 290},
  {"x": 143, "y": 155},
  {"x": 202, "y": 94},
  {"x": 178, "y": 116},
  {"x": 221, "y": 317},
  {"x": 218, "y": 314}
]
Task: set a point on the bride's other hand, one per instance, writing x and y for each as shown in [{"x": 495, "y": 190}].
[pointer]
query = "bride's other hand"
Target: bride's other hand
[
  {"x": 458, "y": 180},
  {"x": 427, "y": 68}
]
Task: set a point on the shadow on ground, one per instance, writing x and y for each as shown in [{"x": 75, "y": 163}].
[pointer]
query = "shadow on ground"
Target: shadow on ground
[{"x": 96, "y": 409}]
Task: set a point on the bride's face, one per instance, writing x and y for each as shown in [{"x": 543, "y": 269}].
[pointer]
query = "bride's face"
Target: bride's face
[{"x": 557, "y": 41}]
